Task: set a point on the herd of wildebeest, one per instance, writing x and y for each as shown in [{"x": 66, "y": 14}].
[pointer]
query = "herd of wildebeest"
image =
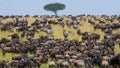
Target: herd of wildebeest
[{"x": 60, "y": 53}]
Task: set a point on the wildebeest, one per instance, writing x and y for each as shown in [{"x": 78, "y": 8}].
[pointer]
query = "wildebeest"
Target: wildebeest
[
  {"x": 115, "y": 61},
  {"x": 33, "y": 52}
]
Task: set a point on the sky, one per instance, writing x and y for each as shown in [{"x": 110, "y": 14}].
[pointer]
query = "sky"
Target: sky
[{"x": 73, "y": 7}]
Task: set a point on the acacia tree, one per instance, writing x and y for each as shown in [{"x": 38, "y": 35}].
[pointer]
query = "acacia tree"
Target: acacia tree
[{"x": 54, "y": 7}]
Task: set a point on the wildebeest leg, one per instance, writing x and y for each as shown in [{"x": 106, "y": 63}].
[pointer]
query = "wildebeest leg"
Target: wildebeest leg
[
  {"x": 38, "y": 65},
  {"x": 3, "y": 53},
  {"x": 30, "y": 66},
  {"x": 117, "y": 66},
  {"x": 5, "y": 66},
  {"x": 10, "y": 66},
  {"x": 119, "y": 45},
  {"x": 17, "y": 66},
  {"x": 0, "y": 66},
  {"x": 107, "y": 66}
]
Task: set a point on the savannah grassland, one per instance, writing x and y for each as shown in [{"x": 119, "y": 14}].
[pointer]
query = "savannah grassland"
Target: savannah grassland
[{"x": 57, "y": 33}]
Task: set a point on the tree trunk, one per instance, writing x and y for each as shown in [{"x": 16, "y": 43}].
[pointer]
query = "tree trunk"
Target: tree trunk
[{"x": 55, "y": 13}]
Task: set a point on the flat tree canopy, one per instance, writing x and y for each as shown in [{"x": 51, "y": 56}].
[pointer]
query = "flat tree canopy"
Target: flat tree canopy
[{"x": 54, "y": 7}]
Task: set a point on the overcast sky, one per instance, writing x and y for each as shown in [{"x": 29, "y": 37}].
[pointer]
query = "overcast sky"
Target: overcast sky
[{"x": 74, "y": 7}]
